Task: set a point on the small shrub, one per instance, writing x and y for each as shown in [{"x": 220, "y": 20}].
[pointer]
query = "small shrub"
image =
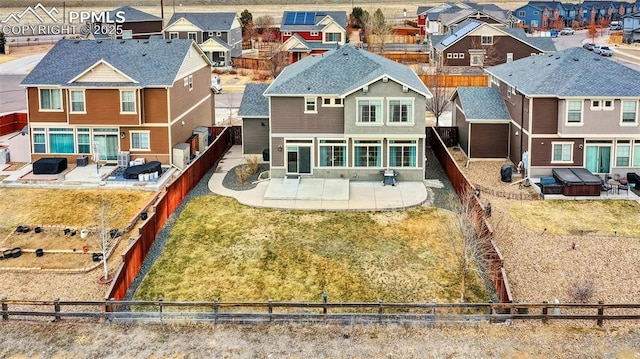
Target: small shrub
[
  {"x": 243, "y": 72},
  {"x": 582, "y": 292},
  {"x": 252, "y": 164},
  {"x": 243, "y": 173},
  {"x": 233, "y": 72}
]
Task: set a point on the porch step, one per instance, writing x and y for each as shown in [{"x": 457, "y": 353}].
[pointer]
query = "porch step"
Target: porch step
[{"x": 291, "y": 179}]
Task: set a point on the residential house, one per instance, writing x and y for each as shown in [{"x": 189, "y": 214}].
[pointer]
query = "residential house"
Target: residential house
[
  {"x": 254, "y": 112},
  {"x": 631, "y": 28},
  {"x": 305, "y": 33},
  {"x": 347, "y": 113},
  {"x": 428, "y": 17},
  {"x": 136, "y": 25},
  {"x": 562, "y": 118},
  {"x": 541, "y": 14},
  {"x": 482, "y": 44},
  {"x": 100, "y": 97},
  {"x": 489, "y": 13},
  {"x": 219, "y": 34}
]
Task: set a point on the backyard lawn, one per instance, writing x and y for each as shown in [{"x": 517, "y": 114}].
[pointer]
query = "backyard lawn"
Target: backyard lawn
[
  {"x": 220, "y": 249},
  {"x": 570, "y": 217}
]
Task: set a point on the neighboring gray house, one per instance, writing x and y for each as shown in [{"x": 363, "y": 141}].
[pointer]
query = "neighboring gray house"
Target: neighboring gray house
[
  {"x": 254, "y": 111},
  {"x": 631, "y": 28},
  {"x": 219, "y": 34},
  {"x": 348, "y": 113},
  {"x": 561, "y": 117}
]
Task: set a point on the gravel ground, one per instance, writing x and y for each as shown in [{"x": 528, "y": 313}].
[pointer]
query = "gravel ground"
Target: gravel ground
[
  {"x": 231, "y": 181},
  {"x": 442, "y": 196}
]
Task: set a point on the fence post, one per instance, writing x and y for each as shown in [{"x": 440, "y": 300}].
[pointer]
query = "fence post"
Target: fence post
[
  {"x": 215, "y": 311},
  {"x": 545, "y": 312},
  {"x": 490, "y": 312},
  {"x": 56, "y": 309},
  {"x": 5, "y": 308},
  {"x": 325, "y": 298},
  {"x": 380, "y": 311},
  {"x": 270, "y": 310},
  {"x": 600, "y": 313},
  {"x": 160, "y": 308}
]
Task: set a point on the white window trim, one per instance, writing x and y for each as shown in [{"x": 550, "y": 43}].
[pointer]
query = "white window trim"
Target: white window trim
[
  {"x": 172, "y": 34},
  {"x": 628, "y": 124},
  {"x": 332, "y": 102},
  {"x": 455, "y": 55},
  {"x": 378, "y": 144},
  {"x": 412, "y": 121},
  {"x": 315, "y": 104},
  {"x": 566, "y": 116},
  {"x": 381, "y": 118},
  {"x": 40, "y": 109},
  {"x": 449, "y": 55},
  {"x": 135, "y": 104},
  {"x": 346, "y": 151},
  {"x": 461, "y": 55},
  {"x": 510, "y": 91},
  {"x": 553, "y": 144},
  {"x": 313, "y": 33},
  {"x": 142, "y": 132},
  {"x": 615, "y": 157},
  {"x": 190, "y": 83},
  {"x": 601, "y": 106},
  {"x": 194, "y": 34},
  {"x": 218, "y": 33},
  {"x": 286, "y": 33},
  {"x": 389, "y": 145},
  {"x": 84, "y": 102},
  {"x": 127, "y": 34},
  {"x": 489, "y": 37}
]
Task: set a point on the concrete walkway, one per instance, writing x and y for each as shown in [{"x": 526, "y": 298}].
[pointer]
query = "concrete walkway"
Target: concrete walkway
[{"x": 318, "y": 193}]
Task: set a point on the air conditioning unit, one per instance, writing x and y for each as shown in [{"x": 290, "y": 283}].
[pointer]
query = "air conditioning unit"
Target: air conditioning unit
[
  {"x": 203, "y": 138},
  {"x": 181, "y": 155},
  {"x": 124, "y": 157},
  {"x": 4, "y": 155}
]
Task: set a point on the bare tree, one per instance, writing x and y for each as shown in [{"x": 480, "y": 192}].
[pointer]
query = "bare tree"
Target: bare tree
[
  {"x": 265, "y": 26},
  {"x": 378, "y": 27},
  {"x": 490, "y": 54},
  {"x": 105, "y": 218},
  {"x": 439, "y": 101},
  {"x": 469, "y": 248},
  {"x": 279, "y": 60}
]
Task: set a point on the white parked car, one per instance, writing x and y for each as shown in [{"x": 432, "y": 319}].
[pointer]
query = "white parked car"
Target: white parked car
[
  {"x": 567, "y": 31},
  {"x": 603, "y": 50}
]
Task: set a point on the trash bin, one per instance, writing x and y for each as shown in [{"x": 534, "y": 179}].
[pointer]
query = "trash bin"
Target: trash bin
[
  {"x": 265, "y": 154},
  {"x": 505, "y": 173}
]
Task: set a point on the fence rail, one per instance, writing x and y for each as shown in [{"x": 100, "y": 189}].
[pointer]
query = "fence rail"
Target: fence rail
[
  {"x": 453, "y": 80},
  {"x": 12, "y": 122},
  {"x": 463, "y": 186},
  {"x": 304, "y": 312}
]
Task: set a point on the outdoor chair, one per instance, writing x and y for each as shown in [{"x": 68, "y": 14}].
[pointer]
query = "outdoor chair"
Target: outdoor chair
[
  {"x": 623, "y": 185},
  {"x": 606, "y": 187}
]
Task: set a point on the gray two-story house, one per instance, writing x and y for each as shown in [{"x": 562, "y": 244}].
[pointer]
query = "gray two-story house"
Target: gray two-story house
[
  {"x": 347, "y": 113},
  {"x": 561, "y": 117},
  {"x": 219, "y": 34}
]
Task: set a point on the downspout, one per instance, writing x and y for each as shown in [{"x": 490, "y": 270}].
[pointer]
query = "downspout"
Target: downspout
[{"x": 521, "y": 124}]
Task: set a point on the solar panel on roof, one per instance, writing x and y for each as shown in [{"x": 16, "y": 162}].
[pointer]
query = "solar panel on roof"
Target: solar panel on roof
[{"x": 290, "y": 18}]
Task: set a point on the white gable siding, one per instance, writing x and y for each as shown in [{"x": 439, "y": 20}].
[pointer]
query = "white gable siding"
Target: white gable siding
[
  {"x": 182, "y": 25},
  {"x": 102, "y": 73},
  {"x": 192, "y": 62}
]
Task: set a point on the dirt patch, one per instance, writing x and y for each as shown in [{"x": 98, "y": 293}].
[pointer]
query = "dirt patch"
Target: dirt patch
[{"x": 16, "y": 52}]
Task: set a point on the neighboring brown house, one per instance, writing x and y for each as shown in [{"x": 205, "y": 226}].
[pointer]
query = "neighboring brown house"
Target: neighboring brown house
[
  {"x": 482, "y": 44},
  {"x": 137, "y": 24},
  {"x": 568, "y": 121},
  {"x": 139, "y": 96}
]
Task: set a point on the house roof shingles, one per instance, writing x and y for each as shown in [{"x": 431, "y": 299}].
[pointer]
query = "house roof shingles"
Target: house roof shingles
[
  {"x": 482, "y": 103},
  {"x": 153, "y": 62},
  {"x": 207, "y": 21},
  {"x": 339, "y": 72},
  {"x": 133, "y": 15},
  {"x": 574, "y": 72},
  {"x": 254, "y": 103}
]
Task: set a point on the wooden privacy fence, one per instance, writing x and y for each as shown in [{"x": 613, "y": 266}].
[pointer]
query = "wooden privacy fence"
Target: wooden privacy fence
[
  {"x": 252, "y": 63},
  {"x": 12, "y": 122},
  {"x": 166, "y": 204},
  {"x": 311, "y": 312},
  {"x": 407, "y": 57},
  {"x": 483, "y": 229},
  {"x": 453, "y": 80}
]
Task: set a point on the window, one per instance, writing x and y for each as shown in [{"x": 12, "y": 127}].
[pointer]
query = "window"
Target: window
[
  {"x": 510, "y": 91},
  {"x": 629, "y": 111},
  {"x": 449, "y": 55},
  {"x": 332, "y": 37},
  {"x": 461, "y": 55},
  {"x": 536, "y": 13},
  {"x": 608, "y": 105},
  {"x": 401, "y": 111},
  {"x": 140, "y": 141},
  {"x": 314, "y": 33},
  {"x": 333, "y": 153},
  {"x": 403, "y": 153},
  {"x": 39, "y": 140},
  {"x": 623, "y": 153},
  {"x": 331, "y": 102},
  {"x": 310, "y": 105},
  {"x": 326, "y": 101},
  {"x": 509, "y": 56},
  {"x": 574, "y": 111},
  {"x": 190, "y": 82},
  {"x": 127, "y": 101},
  {"x": 173, "y": 35},
  {"x": 636, "y": 154},
  {"x": 522, "y": 13},
  {"x": 367, "y": 153},
  {"x": 477, "y": 59},
  {"x": 77, "y": 101},
  {"x": 218, "y": 33},
  {"x": 127, "y": 34},
  {"x": 286, "y": 33},
  {"x": 455, "y": 55},
  {"x": 84, "y": 140},
  {"x": 562, "y": 152},
  {"x": 486, "y": 40},
  {"x": 61, "y": 140},
  {"x": 193, "y": 36},
  {"x": 51, "y": 99},
  {"x": 369, "y": 111},
  {"x": 338, "y": 101}
]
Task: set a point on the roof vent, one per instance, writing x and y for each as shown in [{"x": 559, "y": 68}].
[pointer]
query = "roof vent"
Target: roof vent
[
  {"x": 99, "y": 41},
  {"x": 146, "y": 42},
  {"x": 122, "y": 42},
  {"x": 575, "y": 59},
  {"x": 168, "y": 41},
  {"x": 144, "y": 55}
]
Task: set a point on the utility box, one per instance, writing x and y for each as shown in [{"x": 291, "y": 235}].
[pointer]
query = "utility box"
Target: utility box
[
  {"x": 181, "y": 155},
  {"x": 124, "y": 157},
  {"x": 203, "y": 138},
  {"x": 4, "y": 155}
]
